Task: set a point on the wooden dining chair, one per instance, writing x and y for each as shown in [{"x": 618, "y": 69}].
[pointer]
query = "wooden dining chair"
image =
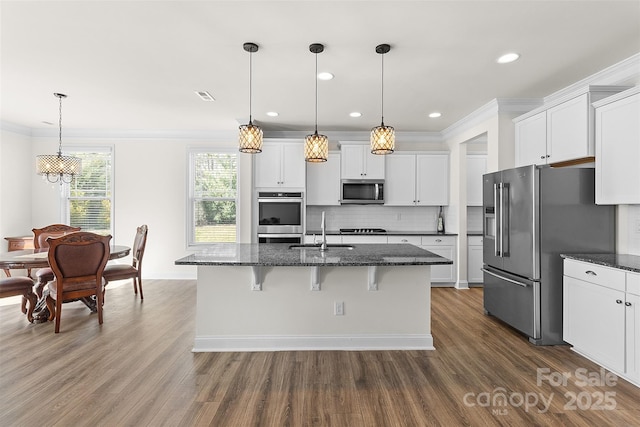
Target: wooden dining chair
[
  {"x": 40, "y": 236},
  {"x": 134, "y": 271},
  {"x": 78, "y": 261},
  {"x": 13, "y": 286}
]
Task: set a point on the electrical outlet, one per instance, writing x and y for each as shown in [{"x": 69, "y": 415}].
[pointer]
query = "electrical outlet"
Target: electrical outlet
[{"x": 338, "y": 308}]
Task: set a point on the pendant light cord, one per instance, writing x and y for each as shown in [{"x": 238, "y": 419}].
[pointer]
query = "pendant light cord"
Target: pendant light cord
[
  {"x": 60, "y": 128},
  {"x": 250, "y": 82},
  {"x": 316, "y": 78},
  {"x": 382, "y": 92}
]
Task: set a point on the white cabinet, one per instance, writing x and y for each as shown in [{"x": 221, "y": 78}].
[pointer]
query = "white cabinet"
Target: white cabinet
[
  {"x": 445, "y": 246},
  {"x": 568, "y": 126},
  {"x": 531, "y": 140},
  {"x": 352, "y": 239},
  {"x": 323, "y": 181},
  {"x": 601, "y": 315},
  {"x": 617, "y": 134},
  {"x": 280, "y": 165},
  {"x": 417, "y": 179},
  {"x": 476, "y": 167},
  {"x": 357, "y": 162},
  {"x": 412, "y": 240},
  {"x": 474, "y": 259},
  {"x": 317, "y": 238}
]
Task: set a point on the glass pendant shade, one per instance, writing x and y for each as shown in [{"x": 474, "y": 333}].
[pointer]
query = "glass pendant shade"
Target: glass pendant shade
[
  {"x": 250, "y": 139},
  {"x": 316, "y": 148},
  {"x": 383, "y": 139},
  {"x": 57, "y": 167}
]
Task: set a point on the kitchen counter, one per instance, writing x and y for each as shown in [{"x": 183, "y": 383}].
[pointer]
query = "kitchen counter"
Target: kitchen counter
[
  {"x": 386, "y": 233},
  {"x": 267, "y": 297},
  {"x": 279, "y": 254},
  {"x": 621, "y": 261}
]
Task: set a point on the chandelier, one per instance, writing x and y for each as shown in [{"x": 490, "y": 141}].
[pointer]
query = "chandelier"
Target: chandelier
[
  {"x": 250, "y": 138},
  {"x": 316, "y": 146},
  {"x": 383, "y": 138},
  {"x": 57, "y": 167}
]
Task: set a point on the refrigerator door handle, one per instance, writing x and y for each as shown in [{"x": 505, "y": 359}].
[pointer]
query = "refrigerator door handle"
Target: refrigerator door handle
[
  {"x": 515, "y": 282},
  {"x": 505, "y": 230},
  {"x": 498, "y": 221}
]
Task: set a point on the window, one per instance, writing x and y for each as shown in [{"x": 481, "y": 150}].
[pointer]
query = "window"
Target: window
[
  {"x": 213, "y": 197},
  {"x": 88, "y": 200}
]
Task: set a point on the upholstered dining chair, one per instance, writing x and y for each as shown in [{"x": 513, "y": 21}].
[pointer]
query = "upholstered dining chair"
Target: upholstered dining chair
[
  {"x": 134, "y": 271},
  {"x": 13, "y": 286},
  {"x": 78, "y": 261},
  {"x": 40, "y": 236}
]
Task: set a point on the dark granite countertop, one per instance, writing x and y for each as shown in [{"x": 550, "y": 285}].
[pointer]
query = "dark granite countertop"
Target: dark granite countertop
[
  {"x": 279, "y": 254},
  {"x": 621, "y": 261},
  {"x": 386, "y": 233},
  {"x": 474, "y": 233}
]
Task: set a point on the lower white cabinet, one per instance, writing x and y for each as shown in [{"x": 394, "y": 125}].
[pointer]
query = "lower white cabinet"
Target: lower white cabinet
[
  {"x": 349, "y": 239},
  {"x": 601, "y": 315},
  {"x": 445, "y": 246},
  {"x": 474, "y": 259}
]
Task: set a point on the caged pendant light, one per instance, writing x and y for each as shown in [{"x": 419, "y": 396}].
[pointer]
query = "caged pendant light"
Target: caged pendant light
[
  {"x": 250, "y": 138},
  {"x": 316, "y": 146},
  {"x": 57, "y": 167},
  {"x": 383, "y": 138}
]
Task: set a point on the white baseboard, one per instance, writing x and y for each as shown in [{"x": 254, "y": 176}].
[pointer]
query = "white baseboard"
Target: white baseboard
[
  {"x": 324, "y": 342},
  {"x": 462, "y": 284}
]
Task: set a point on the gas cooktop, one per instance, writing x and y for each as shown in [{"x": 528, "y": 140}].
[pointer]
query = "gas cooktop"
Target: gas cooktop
[{"x": 362, "y": 230}]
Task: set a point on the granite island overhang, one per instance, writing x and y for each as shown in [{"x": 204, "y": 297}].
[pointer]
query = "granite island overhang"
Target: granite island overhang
[{"x": 267, "y": 297}]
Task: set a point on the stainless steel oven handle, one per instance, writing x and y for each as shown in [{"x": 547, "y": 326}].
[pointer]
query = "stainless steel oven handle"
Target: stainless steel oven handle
[{"x": 515, "y": 282}]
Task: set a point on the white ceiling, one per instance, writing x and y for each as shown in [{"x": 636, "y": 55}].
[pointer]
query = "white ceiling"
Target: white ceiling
[{"x": 134, "y": 65}]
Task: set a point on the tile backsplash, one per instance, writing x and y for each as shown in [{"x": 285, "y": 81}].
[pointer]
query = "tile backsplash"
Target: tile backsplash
[{"x": 392, "y": 218}]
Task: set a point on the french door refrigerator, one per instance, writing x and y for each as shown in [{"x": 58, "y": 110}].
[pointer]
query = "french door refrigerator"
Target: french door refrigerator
[{"x": 532, "y": 214}]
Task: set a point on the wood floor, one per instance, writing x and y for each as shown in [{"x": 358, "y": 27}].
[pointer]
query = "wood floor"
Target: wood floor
[{"x": 137, "y": 369}]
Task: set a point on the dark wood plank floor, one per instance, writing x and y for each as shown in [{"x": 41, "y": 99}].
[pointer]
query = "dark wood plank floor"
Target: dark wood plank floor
[{"x": 137, "y": 369}]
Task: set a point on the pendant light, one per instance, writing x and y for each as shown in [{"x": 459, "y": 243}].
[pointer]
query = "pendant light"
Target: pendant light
[
  {"x": 316, "y": 146},
  {"x": 250, "y": 139},
  {"x": 383, "y": 138},
  {"x": 57, "y": 167}
]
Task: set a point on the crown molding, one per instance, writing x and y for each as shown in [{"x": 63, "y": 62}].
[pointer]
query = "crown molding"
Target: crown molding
[{"x": 19, "y": 129}]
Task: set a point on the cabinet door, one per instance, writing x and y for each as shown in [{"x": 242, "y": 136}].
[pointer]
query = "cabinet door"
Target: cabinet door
[
  {"x": 293, "y": 165},
  {"x": 323, "y": 182},
  {"x": 352, "y": 162},
  {"x": 617, "y": 135},
  {"x": 474, "y": 259},
  {"x": 632, "y": 313},
  {"x": 445, "y": 246},
  {"x": 476, "y": 167},
  {"x": 373, "y": 164},
  {"x": 432, "y": 179},
  {"x": 568, "y": 135},
  {"x": 268, "y": 166},
  {"x": 593, "y": 321},
  {"x": 400, "y": 185},
  {"x": 352, "y": 240},
  {"x": 531, "y": 140}
]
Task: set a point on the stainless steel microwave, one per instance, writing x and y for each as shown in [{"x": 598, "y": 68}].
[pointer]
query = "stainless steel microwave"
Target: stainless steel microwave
[{"x": 362, "y": 191}]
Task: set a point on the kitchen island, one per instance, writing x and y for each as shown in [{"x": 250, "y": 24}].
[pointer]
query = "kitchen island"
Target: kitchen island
[{"x": 266, "y": 297}]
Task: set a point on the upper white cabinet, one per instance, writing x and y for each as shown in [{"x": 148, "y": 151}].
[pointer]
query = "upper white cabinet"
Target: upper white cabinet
[
  {"x": 357, "y": 162},
  {"x": 476, "y": 167},
  {"x": 323, "y": 181},
  {"x": 617, "y": 134},
  {"x": 280, "y": 165},
  {"x": 417, "y": 179},
  {"x": 561, "y": 131}
]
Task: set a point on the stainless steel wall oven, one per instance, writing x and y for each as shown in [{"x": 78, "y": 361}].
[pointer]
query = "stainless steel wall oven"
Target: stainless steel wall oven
[{"x": 280, "y": 217}]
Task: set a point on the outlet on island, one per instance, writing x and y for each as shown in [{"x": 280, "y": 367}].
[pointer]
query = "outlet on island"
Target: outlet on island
[{"x": 338, "y": 308}]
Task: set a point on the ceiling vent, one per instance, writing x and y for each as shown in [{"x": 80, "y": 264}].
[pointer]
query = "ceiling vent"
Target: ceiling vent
[{"x": 204, "y": 95}]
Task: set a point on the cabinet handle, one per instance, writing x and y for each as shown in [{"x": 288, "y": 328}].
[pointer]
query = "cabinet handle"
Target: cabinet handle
[
  {"x": 628, "y": 304},
  {"x": 542, "y": 157},
  {"x": 404, "y": 240},
  {"x": 438, "y": 240},
  {"x": 591, "y": 273},
  {"x": 618, "y": 301}
]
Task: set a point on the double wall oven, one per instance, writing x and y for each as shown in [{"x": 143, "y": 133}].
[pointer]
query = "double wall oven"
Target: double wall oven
[{"x": 280, "y": 217}]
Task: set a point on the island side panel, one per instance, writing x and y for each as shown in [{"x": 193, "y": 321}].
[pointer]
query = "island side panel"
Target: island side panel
[{"x": 288, "y": 315}]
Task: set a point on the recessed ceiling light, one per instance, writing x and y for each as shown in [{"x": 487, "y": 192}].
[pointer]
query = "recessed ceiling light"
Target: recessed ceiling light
[
  {"x": 435, "y": 115},
  {"x": 204, "y": 95},
  {"x": 355, "y": 114},
  {"x": 272, "y": 114},
  {"x": 508, "y": 57},
  {"x": 325, "y": 76}
]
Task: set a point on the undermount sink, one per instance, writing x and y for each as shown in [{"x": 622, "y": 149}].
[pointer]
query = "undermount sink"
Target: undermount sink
[{"x": 317, "y": 246}]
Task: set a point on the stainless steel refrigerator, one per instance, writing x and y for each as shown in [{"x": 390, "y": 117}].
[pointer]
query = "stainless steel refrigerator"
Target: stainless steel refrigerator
[{"x": 532, "y": 214}]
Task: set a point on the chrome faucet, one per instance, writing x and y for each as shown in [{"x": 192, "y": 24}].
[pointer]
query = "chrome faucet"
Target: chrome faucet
[{"x": 323, "y": 227}]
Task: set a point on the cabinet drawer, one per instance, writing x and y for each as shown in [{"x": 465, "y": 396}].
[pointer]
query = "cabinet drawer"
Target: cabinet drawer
[
  {"x": 597, "y": 274},
  {"x": 414, "y": 240},
  {"x": 438, "y": 240},
  {"x": 474, "y": 240},
  {"x": 633, "y": 283}
]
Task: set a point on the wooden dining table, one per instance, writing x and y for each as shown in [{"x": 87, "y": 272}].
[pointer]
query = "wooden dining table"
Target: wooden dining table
[{"x": 28, "y": 259}]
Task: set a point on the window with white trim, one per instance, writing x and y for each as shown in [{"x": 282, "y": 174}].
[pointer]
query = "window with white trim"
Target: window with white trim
[
  {"x": 213, "y": 197},
  {"x": 88, "y": 200}
]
